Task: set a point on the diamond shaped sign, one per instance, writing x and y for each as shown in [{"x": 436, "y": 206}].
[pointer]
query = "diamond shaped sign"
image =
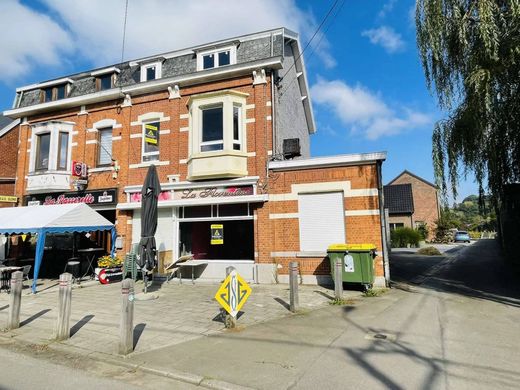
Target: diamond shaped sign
[{"x": 233, "y": 293}]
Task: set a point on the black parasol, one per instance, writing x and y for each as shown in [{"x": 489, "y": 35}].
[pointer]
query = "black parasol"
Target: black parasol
[{"x": 149, "y": 194}]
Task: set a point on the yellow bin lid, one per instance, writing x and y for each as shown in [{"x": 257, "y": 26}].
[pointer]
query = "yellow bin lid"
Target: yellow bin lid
[{"x": 351, "y": 247}]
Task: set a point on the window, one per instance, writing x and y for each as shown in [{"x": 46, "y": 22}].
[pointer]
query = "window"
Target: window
[
  {"x": 105, "y": 147},
  {"x": 237, "y": 126},
  {"x": 151, "y": 71},
  {"x": 394, "y": 226},
  {"x": 322, "y": 220},
  {"x": 105, "y": 81},
  {"x": 56, "y": 92},
  {"x": 216, "y": 58},
  {"x": 151, "y": 133},
  {"x": 43, "y": 142},
  {"x": 212, "y": 129},
  {"x": 63, "y": 151}
]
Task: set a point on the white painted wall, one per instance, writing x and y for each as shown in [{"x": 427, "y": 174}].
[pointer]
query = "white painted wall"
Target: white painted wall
[{"x": 164, "y": 234}]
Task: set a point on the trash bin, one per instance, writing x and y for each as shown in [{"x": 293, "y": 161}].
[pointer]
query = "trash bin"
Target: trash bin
[{"x": 357, "y": 262}]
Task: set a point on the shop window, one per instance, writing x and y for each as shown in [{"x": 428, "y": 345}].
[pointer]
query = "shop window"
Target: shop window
[
  {"x": 197, "y": 212},
  {"x": 150, "y": 148},
  {"x": 42, "y": 151},
  {"x": 321, "y": 219},
  {"x": 216, "y": 58},
  {"x": 63, "y": 151},
  {"x": 105, "y": 147},
  {"x": 232, "y": 210}
]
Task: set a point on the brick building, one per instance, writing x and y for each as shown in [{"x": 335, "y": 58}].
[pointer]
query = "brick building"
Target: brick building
[
  {"x": 411, "y": 202},
  {"x": 9, "y": 131},
  {"x": 228, "y": 126}
]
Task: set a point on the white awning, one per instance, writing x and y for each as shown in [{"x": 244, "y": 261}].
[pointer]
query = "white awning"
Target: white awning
[{"x": 54, "y": 218}]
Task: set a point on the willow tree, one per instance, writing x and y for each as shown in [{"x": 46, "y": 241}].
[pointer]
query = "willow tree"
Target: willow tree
[{"x": 470, "y": 52}]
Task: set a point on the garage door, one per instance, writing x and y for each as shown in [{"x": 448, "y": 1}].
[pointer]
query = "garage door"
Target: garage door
[{"x": 322, "y": 220}]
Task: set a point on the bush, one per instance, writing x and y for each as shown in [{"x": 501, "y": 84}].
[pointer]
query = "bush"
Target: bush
[
  {"x": 429, "y": 251},
  {"x": 474, "y": 235},
  {"x": 402, "y": 237},
  {"x": 423, "y": 231}
]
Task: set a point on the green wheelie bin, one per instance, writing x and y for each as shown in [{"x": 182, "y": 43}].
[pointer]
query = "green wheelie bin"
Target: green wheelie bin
[{"x": 357, "y": 262}]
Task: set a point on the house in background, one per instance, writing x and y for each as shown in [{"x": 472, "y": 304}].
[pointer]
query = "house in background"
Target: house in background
[
  {"x": 411, "y": 202},
  {"x": 9, "y": 134}
]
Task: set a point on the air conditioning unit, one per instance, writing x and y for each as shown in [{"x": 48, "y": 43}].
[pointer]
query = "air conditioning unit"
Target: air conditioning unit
[{"x": 291, "y": 148}]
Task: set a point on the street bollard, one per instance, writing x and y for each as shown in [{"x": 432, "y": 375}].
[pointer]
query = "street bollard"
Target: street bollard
[
  {"x": 293, "y": 286},
  {"x": 338, "y": 279},
  {"x": 15, "y": 300},
  {"x": 64, "y": 306},
  {"x": 229, "y": 320},
  {"x": 126, "y": 335}
]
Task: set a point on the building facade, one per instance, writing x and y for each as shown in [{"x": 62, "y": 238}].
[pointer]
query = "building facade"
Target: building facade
[
  {"x": 9, "y": 132},
  {"x": 228, "y": 126},
  {"x": 412, "y": 201}
]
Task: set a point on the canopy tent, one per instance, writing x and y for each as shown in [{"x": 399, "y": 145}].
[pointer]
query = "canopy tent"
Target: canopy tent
[{"x": 63, "y": 218}]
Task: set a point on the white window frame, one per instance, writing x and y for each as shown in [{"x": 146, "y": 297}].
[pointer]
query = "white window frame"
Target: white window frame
[
  {"x": 240, "y": 126},
  {"x": 232, "y": 56},
  {"x": 158, "y": 70},
  {"x": 228, "y": 99},
  {"x": 110, "y": 130},
  {"x": 157, "y": 153},
  {"x": 209, "y": 143},
  {"x": 53, "y": 128}
]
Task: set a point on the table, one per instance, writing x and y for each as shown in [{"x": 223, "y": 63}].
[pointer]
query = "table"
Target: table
[
  {"x": 92, "y": 253},
  {"x": 5, "y": 277},
  {"x": 192, "y": 264}
]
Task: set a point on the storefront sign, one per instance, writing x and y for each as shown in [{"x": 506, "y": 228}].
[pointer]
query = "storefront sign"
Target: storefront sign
[
  {"x": 9, "y": 199},
  {"x": 151, "y": 132},
  {"x": 217, "y": 234},
  {"x": 233, "y": 293},
  {"x": 164, "y": 195},
  {"x": 214, "y": 192},
  {"x": 104, "y": 197}
]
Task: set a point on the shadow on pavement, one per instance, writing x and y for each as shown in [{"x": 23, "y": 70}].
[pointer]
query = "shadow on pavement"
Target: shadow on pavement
[
  {"x": 34, "y": 316},
  {"x": 138, "y": 331},
  {"x": 80, "y": 324}
]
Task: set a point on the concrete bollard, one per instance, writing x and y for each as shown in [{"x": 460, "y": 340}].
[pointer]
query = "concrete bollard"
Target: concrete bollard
[
  {"x": 15, "y": 300},
  {"x": 64, "y": 306},
  {"x": 229, "y": 320},
  {"x": 338, "y": 279},
  {"x": 126, "y": 335},
  {"x": 293, "y": 286}
]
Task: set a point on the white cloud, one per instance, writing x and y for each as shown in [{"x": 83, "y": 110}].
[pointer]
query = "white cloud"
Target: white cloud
[
  {"x": 386, "y": 37},
  {"x": 156, "y": 26},
  {"x": 364, "y": 112},
  {"x": 387, "y": 8},
  {"x": 28, "y": 38}
]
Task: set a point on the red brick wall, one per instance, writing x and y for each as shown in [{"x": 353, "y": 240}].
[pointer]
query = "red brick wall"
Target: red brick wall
[
  {"x": 8, "y": 157},
  {"x": 425, "y": 201}
]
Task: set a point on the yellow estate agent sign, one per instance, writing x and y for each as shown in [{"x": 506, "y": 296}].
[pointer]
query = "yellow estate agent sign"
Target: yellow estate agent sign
[
  {"x": 7, "y": 198},
  {"x": 217, "y": 234},
  {"x": 233, "y": 293},
  {"x": 150, "y": 134}
]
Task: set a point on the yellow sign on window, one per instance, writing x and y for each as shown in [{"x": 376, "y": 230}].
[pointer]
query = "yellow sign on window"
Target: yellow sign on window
[
  {"x": 7, "y": 198},
  {"x": 217, "y": 234},
  {"x": 233, "y": 293},
  {"x": 150, "y": 133}
]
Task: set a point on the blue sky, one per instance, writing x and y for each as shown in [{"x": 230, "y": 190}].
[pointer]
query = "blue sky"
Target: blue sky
[{"x": 367, "y": 84}]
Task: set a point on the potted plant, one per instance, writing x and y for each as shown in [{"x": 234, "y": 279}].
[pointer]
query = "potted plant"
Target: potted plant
[{"x": 110, "y": 269}]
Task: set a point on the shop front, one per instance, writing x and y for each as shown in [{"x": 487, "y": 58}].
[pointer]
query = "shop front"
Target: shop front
[{"x": 211, "y": 221}]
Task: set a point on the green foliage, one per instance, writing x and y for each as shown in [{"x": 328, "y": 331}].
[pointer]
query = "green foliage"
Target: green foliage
[
  {"x": 373, "y": 293},
  {"x": 444, "y": 225},
  {"x": 470, "y": 52},
  {"x": 429, "y": 251},
  {"x": 423, "y": 231},
  {"x": 474, "y": 235},
  {"x": 402, "y": 237}
]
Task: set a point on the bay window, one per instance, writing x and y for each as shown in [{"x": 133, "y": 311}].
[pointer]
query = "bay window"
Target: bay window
[
  {"x": 212, "y": 129},
  {"x": 43, "y": 142},
  {"x": 63, "y": 151},
  {"x": 50, "y": 147}
]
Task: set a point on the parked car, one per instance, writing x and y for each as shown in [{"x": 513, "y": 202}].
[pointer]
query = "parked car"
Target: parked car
[{"x": 461, "y": 236}]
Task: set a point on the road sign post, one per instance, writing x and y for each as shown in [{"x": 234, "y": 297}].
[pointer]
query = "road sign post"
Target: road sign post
[{"x": 232, "y": 295}]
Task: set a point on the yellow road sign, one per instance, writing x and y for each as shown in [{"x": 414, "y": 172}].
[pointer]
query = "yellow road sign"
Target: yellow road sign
[{"x": 233, "y": 293}]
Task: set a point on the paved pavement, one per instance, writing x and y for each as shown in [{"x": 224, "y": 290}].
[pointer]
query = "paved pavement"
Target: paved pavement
[{"x": 457, "y": 329}]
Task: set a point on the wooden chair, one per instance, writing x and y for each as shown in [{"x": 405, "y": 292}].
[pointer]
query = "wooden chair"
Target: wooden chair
[{"x": 173, "y": 267}]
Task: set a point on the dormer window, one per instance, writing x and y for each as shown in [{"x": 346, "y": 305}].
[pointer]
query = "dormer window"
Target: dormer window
[
  {"x": 105, "y": 78},
  {"x": 55, "y": 92},
  {"x": 216, "y": 58},
  {"x": 151, "y": 71}
]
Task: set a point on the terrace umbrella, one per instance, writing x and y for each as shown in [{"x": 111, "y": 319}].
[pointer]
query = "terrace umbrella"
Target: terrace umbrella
[{"x": 147, "y": 248}]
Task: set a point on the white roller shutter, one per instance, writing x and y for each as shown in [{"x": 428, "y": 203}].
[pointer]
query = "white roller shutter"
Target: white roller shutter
[{"x": 322, "y": 220}]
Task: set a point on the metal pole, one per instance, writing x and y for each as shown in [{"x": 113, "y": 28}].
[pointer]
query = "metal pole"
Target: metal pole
[
  {"x": 293, "y": 285},
  {"x": 338, "y": 279},
  {"x": 64, "y": 306},
  {"x": 126, "y": 339},
  {"x": 229, "y": 320},
  {"x": 15, "y": 300}
]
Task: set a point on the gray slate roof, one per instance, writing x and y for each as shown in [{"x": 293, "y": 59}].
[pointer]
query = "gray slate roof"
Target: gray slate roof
[
  {"x": 4, "y": 121},
  {"x": 399, "y": 199}
]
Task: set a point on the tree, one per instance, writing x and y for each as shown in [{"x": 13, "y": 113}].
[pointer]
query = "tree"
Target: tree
[{"x": 470, "y": 52}]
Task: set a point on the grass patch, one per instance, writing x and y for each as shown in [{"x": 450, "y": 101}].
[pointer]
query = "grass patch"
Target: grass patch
[
  {"x": 371, "y": 293},
  {"x": 429, "y": 251},
  {"x": 342, "y": 302}
]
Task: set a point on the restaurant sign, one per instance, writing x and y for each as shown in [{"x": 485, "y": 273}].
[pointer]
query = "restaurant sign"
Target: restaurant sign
[
  {"x": 213, "y": 192},
  {"x": 101, "y": 197}
]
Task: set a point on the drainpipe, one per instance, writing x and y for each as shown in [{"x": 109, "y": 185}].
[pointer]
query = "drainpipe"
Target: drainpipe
[
  {"x": 382, "y": 219},
  {"x": 273, "y": 114}
]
